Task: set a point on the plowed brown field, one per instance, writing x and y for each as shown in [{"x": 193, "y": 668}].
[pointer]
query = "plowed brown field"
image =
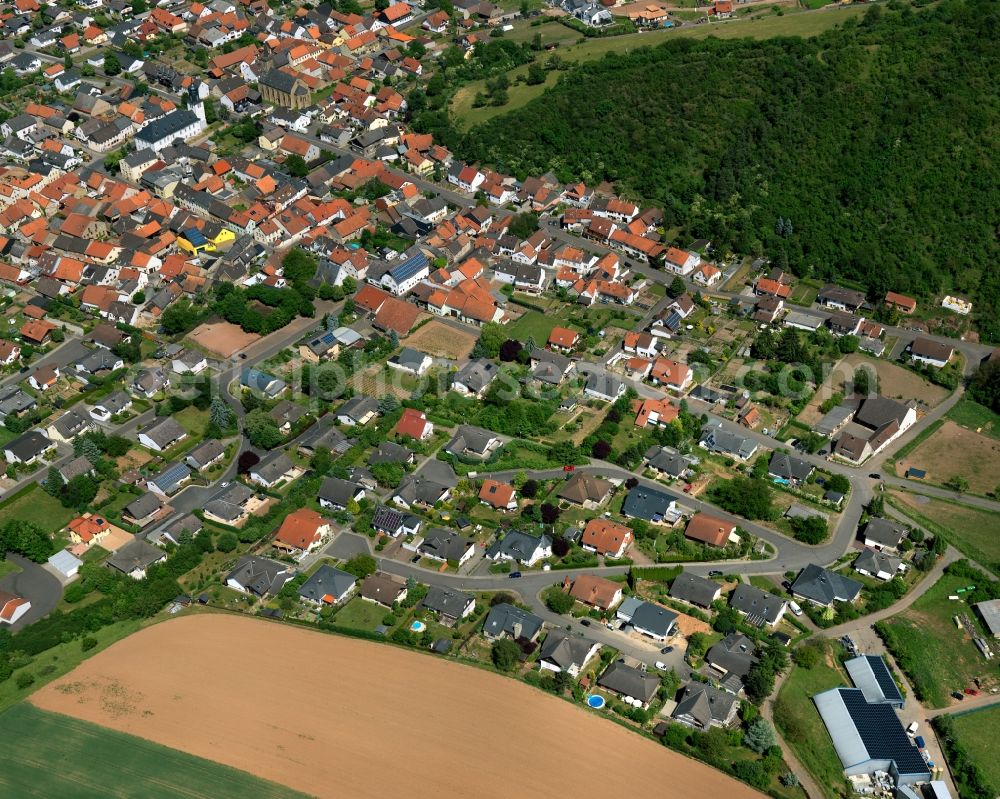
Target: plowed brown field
[{"x": 334, "y": 716}]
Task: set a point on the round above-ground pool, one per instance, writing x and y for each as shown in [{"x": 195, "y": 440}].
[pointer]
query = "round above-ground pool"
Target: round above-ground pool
[
  {"x": 418, "y": 626},
  {"x": 595, "y": 701}
]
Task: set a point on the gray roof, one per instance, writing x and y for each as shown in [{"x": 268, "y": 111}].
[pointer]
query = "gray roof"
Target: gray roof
[
  {"x": 824, "y": 586},
  {"x": 694, "y": 589},
  {"x": 165, "y": 431},
  {"x": 476, "y": 375},
  {"x": 604, "y": 384},
  {"x": 272, "y": 466},
  {"x": 469, "y": 439},
  {"x": 446, "y": 601},
  {"x": 72, "y": 423},
  {"x": 282, "y": 81},
  {"x": 205, "y": 453},
  {"x": 259, "y": 575},
  {"x": 410, "y": 358},
  {"x": 549, "y": 367},
  {"x": 646, "y": 503},
  {"x": 65, "y": 561},
  {"x": 136, "y": 554},
  {"x": 76, "y": 467},
  {"x": 873, "y": 562},
  {"x": 166, "y": 126},
  {"x": 704, "y": 704},
  {"x": 719, "y": 439},
  {"x": 667, "y": 461},
  {"x": 833, "y": 420},
  {"x": 325, "y": 435},
  {"x": 513, "y": 621},
  {"x": 757, "y": 604},
  {"x": 990, "y": 613},
  {"x": 877, "y": 411},
  {"x": 357, "y": 408},
  {"x": 444, "y": 544},
  {"x": 798, "y": 510},
  {"x": 145, "y": 505},
  {"x": 28, "y": 445},
  {"x": 582, "y": 487},
  {"x": 337, "y": 491},
  {"x": 228, "y": 503},
  {"x": 653, "y": 618},
  {"x": 884, "y": 531},
  {"x": 390, "y": 452},
  {"x": 327, "y": 580},
  {"x": 872, "y": 676},
  {"x": 788, "y": 466},
  {"x": 734, "y": 655},
  {"x": 518, "y": 545},
  {"x": 114, "y": 403},
  {"x": 629, "y": 681},
  {"x": 565, "y": 650}
]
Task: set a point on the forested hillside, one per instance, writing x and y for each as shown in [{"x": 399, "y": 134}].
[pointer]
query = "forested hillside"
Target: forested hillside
[{"x": 877, "y": 141}]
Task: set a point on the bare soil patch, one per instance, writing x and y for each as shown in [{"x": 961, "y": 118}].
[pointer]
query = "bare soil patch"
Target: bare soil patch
[
  {"x": 442, "y": 340},
  {"x": 953, "y": 451},
  {"x": 222, "y": 338},
  {"x": 316, "y": 706}
]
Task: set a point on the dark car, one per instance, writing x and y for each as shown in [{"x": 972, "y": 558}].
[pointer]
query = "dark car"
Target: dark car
[
  {"x": 958, "y": 695},
  {"x": 243, "y": 356},
  {"x": 666, "y": 650},
  {"x": 875, "y": 476},
  {"x": 715, "y": 573},
  {"x": 585, "y": 622},
  {"x": 514, "y": 575}
]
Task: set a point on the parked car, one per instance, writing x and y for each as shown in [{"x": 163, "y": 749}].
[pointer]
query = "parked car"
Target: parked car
[
  {"x": 958, "y": 695},
  {"x": 585, "y": 622},
  {"x": 972, "y": 692},
  {"x": 514, "y": 575},
  {"x": 875, "y": 476},
  {"x": 661, "y": 665},
  {"x": 569, "y": 467},
  {"x": 715, "y": 573},
  {"x": 688, "y": 487},
  {"x": 666, "y": 650},
  {"x": 795, "y": 608}
]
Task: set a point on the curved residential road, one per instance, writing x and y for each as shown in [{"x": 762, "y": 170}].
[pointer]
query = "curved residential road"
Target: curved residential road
[{"x": 35, "y": 584}]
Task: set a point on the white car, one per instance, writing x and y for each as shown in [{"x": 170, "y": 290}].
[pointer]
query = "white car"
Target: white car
[
  {"x": 660, "y": 665},
  {"x": 794, "y": 607}
]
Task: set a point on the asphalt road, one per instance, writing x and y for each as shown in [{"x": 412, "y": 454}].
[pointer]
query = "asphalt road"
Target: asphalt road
[{"x": 34, "y": 583}]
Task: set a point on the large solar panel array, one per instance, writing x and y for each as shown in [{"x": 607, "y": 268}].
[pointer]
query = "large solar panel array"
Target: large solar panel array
[{"x": 882, "y": 733}]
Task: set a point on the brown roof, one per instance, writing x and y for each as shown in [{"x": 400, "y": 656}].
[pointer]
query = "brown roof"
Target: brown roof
[
  {"x": 709, "y": 530},
  {"x": 594, "y": 590},
  {"x": 605, "y": 536},
  {"x": 582, "y": 487},
  {"x": 396, "y": 315},
  {"x": 496, "y": 493},
  {"x": 383, "y": 588},
  {"x": 563, "y": 337},
  {"x": 300, "y": 529},
  {"x": 925, "y": 348}
]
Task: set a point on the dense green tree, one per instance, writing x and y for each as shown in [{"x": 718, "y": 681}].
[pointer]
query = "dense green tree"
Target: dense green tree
[
  {"x": 505, "y": 654},
  {"x": 261, "y": 429}
]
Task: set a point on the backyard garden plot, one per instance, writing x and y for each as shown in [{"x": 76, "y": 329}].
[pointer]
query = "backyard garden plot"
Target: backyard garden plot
[
  {"x": 442, "y": 340},
  {"x": 954, "y": 453}
]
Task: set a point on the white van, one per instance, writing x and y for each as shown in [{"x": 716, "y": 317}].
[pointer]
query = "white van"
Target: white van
[
  {"x": 794, "y": 607},
  {"x": 661, "y": 665},
  {"x": 912, "y": 729}
]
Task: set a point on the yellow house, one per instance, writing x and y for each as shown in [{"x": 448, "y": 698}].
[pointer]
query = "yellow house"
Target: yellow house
[
  {"x": 88, "y": 530},
  {"x": 194, "y": 241}
]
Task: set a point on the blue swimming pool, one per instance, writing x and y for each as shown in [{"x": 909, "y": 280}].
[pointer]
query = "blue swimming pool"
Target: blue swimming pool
[
  {"x": 418, "y": 626},
  {"x": 595, "y": 701}
]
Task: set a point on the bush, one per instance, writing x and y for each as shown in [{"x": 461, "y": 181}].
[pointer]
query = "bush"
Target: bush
[
  {"x": 74, "y": 593},
  {"x": 506, "y": 654},
  {"x": 558, "y": 601},
  {"x": 24, "y": 680},
  {"x": 227, "y": 542}
]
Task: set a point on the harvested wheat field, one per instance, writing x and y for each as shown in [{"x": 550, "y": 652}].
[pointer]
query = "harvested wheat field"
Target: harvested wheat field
[
  {"x": 334, "y": 716},
  {"x": 953, "y": 451},
  {"x": 442, "y": 340},
  {"x": 222, "y": 338}
]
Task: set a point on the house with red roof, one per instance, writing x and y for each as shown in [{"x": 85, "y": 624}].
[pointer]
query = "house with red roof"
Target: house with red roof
[
  {"x": 606, "y": 537},
  {"x": 499, "y": 496},
  {"x": 302, "y": 531},
  {"x": 563, "y": 339},
  {"x": 414, "y": 423}
]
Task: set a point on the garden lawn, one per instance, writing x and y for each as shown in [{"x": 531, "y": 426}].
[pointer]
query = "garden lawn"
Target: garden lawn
[
  {"x": 938, "y": 658},
  {"x": 796, "y": 716},
  {"x": 360, "y": 614},
  {"x": 977, "y": 732},
  {"x": 61, "y": 756},
  {"x": 532, "y": 325},
  {"x": 971, "y": 530},
  {"x": 34, "y": 505},
  {"x": 972, "y": 415}
]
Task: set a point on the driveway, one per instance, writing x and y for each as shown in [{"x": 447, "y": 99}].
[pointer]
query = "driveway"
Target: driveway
[{"x": 35, "y": 584}]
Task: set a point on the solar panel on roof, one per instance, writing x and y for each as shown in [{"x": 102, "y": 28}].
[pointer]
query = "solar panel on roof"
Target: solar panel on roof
[
  {"x": 195, "y": 237},
  {"x": 409, "y": 267},
  {"x": 888, "y": 685},
  {"x": 882, "y": 732}
]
